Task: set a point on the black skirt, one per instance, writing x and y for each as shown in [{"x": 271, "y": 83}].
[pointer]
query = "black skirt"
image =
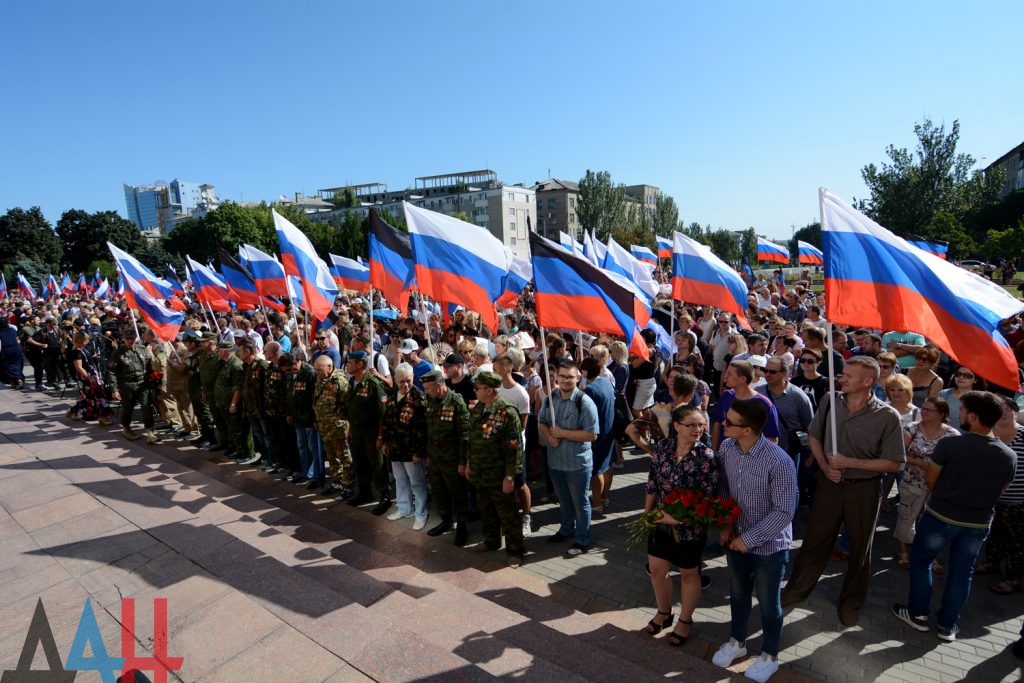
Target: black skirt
[{"x": 683, "y": 554}]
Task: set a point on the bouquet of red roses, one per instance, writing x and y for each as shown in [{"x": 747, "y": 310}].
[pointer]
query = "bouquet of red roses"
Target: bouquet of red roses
[{"x": 693, "y": 507}]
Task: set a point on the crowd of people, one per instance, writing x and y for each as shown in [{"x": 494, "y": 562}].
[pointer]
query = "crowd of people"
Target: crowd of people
[{"x": 391, "y": 411}]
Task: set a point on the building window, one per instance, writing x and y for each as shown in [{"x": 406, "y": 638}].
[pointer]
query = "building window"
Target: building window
[
  {"x": 572, "y": 202},
  {"x": 572, "y": 218},
  {"x": 512, "y": 241},
  {"x": 511, "y": 196},
  {"x": 551, "y": 203},
  {"x": 512, "y": 212},
  {"x": 512, "y": 227}
]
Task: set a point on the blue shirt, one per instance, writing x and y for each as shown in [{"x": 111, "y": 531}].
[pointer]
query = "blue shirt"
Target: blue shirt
[
  {"x": 602, "y": 393},
  {"x": 286, "y": 344},
  {"x": 331, "y": 353},
  {"x": 418, "y": 370},
  {"x": 576, "y": 412},
  {"x": 771, "y": 427},
  {"x": 762, "y": 481}
]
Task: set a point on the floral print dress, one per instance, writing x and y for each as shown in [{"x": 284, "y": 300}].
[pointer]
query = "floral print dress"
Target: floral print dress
[{"x": 697, "y": 471}]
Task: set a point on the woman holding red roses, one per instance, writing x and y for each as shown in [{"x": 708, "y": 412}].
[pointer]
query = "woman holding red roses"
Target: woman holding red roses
[{"x": 679, "y": 464}]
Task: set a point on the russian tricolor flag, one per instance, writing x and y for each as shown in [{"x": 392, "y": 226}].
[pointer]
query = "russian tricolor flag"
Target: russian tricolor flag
[
  {"x": 664, "y": 247},
  {"x": 520, "y": 273},
  {"x": 457, "y": 261},
  {"x": 82, "y": 285},
  {"x": 700, "y": 277},
  {"x": 392, "y": 269},
  {"x": 569, "y": 243},
  {"x": 102, "y": 290},
  {"x": 875, "y": 279},
  {"x": 350, "y": 274},
  {"x": 66, "y": 285},
  {"x": 266, "y": 270},
  {"x": 618, "y": 260},
  {"x": 3, "y": 286},
  {"x": 172, "y": 279},
  {"x": 642, "y": 253},
  {"x": 25, "y": 288},
  {"x": 937, "y": 247},
  {"x": 769, "y": 251},
  {"x": 131, "y": 267},
  {"x": 574, "y": 294},
  {"x": 300, "y": 260},
  {"x": 162, "y": 319},
  {"x": 208, "y": 285},
  {"x": 809, "y": 254}
]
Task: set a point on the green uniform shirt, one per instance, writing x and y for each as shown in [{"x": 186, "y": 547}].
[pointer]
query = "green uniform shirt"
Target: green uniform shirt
[
  {"x": 195, "y": 386},
  {"x": 275, "y": 392},
  {"x": 404, "y": 426},
  {"x": 300, "y": 396},
  {"x": 447, "y": 430},
  {"x": 230, "y": 379},
  {"x": 494, "y": 436},
  {"x": 129, "y": 367},
  {"x": 366, "y": 403},
  {"x": 209, "y": 370},
  {"x": 329, "y": 401}
]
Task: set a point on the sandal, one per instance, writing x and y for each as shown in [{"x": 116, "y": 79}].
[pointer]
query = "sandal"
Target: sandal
[
  {"x": 903, "y": 561},
  {"x": 982, "y": 568},
  {"x": 1006, "y": 587},
  {"x": 654, "y": 628},
  {"x": 677, "y": 639}
]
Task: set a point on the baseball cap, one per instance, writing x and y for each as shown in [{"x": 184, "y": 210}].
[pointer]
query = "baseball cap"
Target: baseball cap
[{"x": 409, "y": 346}]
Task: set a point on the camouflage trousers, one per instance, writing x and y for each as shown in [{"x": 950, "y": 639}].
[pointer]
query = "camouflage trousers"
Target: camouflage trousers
[
  {"x": 337, "y": 456},
  {"x": 499, "y": 513}
]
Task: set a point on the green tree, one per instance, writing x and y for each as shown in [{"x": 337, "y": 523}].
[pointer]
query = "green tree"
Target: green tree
[
  {"x": 666, "y": 216},
  {"x": 1008, "y": 243},
  {"x": 908, "y": 192},
  {"x": 346, "y": 199},
  {"x": 228, "y": 225},
  {"x": 107, "y": 270},
  {"x": 636, "y": 229},
  {"x": 27, "y": 234},
  {"x": 85, "y": 236},
  {"x": 602, "y": 205},
  {"x": 723, "y": 244},
  {"x": 33, "y": 269},
  {"x": 748, "y": 246},
  {"x": 810, "y": 233},
  {"x": 695, "y": 232}
]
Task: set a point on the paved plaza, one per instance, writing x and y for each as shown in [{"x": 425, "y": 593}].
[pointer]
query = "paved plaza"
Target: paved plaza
[{"x": 268, "y": 582}]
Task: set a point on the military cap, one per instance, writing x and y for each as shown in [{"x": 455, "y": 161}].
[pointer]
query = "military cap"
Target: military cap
[
  {"x": 192, "y": 335},
  {"x": 357, "y": 355},
  {"x": 433, "y": 376},
  {"x": 226, "y": 345},
  {"x": 488, "y": 379},
  {"x": 129, "y": 333},
  {"x": 209, "y": 336}
]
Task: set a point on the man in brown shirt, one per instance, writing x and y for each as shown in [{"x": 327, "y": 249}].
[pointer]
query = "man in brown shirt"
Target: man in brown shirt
[{"x": 869, "y": 443}]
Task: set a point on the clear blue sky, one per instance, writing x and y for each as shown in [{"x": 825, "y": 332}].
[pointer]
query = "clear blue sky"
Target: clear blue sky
[{"x": 739, "y": 110}]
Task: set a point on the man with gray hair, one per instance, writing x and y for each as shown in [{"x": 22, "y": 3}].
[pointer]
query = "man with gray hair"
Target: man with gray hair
[{"x": 869, "y": 442}]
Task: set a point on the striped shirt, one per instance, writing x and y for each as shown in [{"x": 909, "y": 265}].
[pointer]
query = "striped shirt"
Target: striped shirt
[
  {"x": 1014, "y": 495},
  {"x": 763, "y": 483}
]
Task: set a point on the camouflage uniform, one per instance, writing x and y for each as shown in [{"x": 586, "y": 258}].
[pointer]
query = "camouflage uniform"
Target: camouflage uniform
[
  {"x": 494, "y": 435},
  {"x": 237, "y": 436},
  {"x": 178, "y": 390},
  {"x": 164, "y": 401},
  {"x": 366, "y": 402},
  {"x": 130, "y": 369},
  {"x": 329, "y": 404},
  {"x": 253, "y": 379},
  {"x": 447, "y": 441},
  {"x": 195, "y": 393},
  {"x": 404, "y": 426},
  {"x": 209, "y": 369}
]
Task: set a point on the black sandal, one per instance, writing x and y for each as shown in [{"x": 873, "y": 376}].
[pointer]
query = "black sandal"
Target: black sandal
[
  {"x": 654, "y": 628},
  {"x": 677, "y": 639}
]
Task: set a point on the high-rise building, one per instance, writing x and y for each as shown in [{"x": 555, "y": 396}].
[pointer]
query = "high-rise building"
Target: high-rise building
[
  {"x": 1013, "y": 163},
  {"x": 156, "y": 208},
  {"x": 557, "y": 204},
  {"x": 508, "y": 211}
]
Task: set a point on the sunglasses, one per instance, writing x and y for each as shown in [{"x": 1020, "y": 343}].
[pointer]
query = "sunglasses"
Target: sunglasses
[
  {"x": 964, "y": 375},
  {"x": 885, "y": 366},
  {"x": 808, "y": 361},
  {"x": 730, "y": 423},
  {"x": 772, "y": 372}
]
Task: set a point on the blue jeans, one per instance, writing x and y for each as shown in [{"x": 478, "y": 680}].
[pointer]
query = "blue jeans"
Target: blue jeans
[
  {"x": 260, "y": 438},
  {"x": 763, "y": 573},
  {"x": 410, "y": 488},
  {"x": 573, "y": 489},
  {"x": 308, "y": 443},
  {"x": 964, "y": 544}
]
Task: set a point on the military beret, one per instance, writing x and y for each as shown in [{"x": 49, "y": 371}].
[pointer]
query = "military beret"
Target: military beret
[
  {"x": 192, "y": 335},
  {"x": 357, "y": 355},
  {"x": 209, "y": 336},
  {"x": 129, "y": 333},
  {"x": 488, "y": 379},
  {"x": 226, "y": 345},
  {"x": 433, "y": 376}
]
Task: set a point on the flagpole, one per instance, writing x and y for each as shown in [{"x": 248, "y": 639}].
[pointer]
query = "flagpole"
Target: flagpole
[
  {"x": 373, "y": 328},
  {"x": 216, "y": 324},
  {"x": 547, "y": 374},
  {"x": 131, "y": 314},
  {"x": 831, "y": 355},
  {"x": 672, "y": 324}
]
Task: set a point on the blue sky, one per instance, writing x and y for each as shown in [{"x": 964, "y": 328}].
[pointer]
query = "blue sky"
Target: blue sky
[{"x": 739, "y": 110}]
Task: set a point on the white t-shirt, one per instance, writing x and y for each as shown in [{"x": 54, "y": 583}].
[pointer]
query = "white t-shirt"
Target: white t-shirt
[{"x": 519, "y": 398}]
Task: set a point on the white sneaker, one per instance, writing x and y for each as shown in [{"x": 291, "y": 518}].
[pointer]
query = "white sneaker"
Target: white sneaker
[
  {"x": 763, "y": 668},
  {"x": 729, "y": 653},
  {"x": 151, "y": 437},
  {"x": 396, "y": 515},
  {"x": 527, "y": 529},
  {"x": 419, "y": 523}
]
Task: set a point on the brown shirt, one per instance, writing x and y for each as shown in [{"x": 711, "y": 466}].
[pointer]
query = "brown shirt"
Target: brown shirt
[{"x": 870, "y": 433}]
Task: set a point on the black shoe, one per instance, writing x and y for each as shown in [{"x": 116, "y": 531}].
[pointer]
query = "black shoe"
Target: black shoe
[
  {"x": 1018, "y": 649},
  {"x": 705, "y": 582},
  {"x": 441, "y": 528},
  {"x": 576, "y": 550},
  {"x": 201, "y": 444},
  {"x": 383, "y": 506},
  {"x": 329, "y": 489},
  {"x": 344, "y": 494},
  {"x": 233, "y": 455},
  {"x": 556, "y": 538},
  {"x": 361, "y": 499},
  {"x": 299, "y": 480},
  {"x": 461, "y": 534},
  {"x": 315, "y": 484},
  {"x": 217, "y": 447}
]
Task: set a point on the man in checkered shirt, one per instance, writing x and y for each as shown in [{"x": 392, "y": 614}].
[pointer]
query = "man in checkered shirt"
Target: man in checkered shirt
[{"x": 760, "y": 476}]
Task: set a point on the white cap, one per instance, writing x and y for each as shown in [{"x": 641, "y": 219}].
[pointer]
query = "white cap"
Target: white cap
[
  {"x": 758, "y": 361},
  {"x": 409, "y": 346}
]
